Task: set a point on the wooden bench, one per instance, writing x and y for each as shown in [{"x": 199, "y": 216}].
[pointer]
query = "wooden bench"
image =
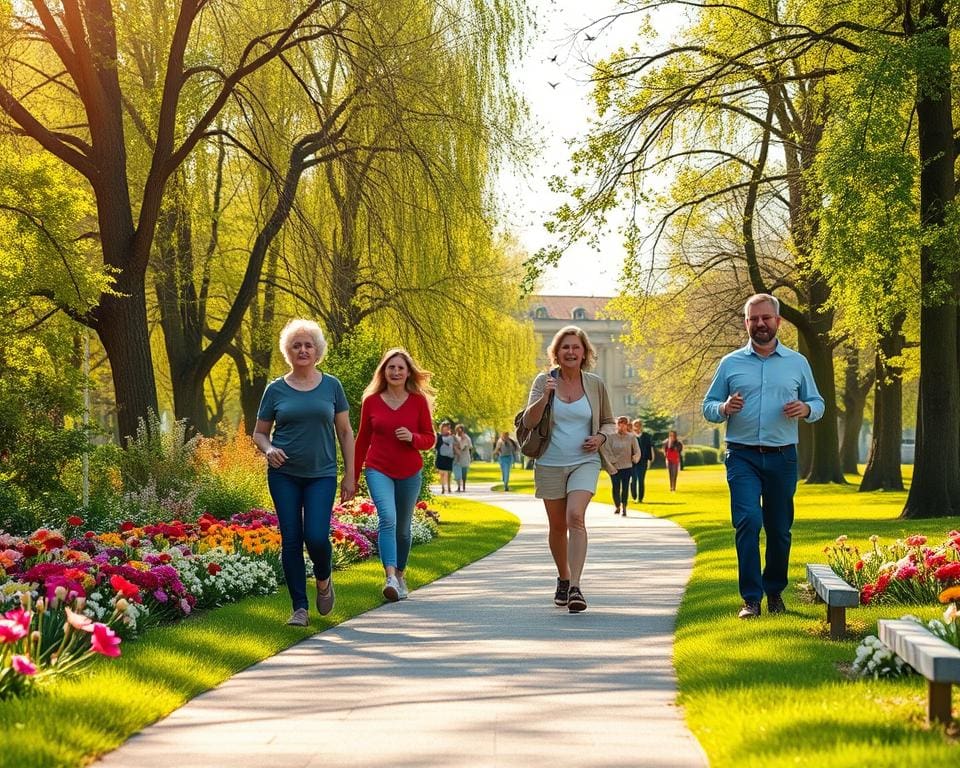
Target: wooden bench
[
  {"x": 935, "y": 659},
  {"x": 836, "y": 593}
]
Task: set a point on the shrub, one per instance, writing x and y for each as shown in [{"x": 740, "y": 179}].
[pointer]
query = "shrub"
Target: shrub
[
  {"x": 692, "y": 457},
  {"x": 158, "y": 457},
  {"x": 217, "y": 497}
]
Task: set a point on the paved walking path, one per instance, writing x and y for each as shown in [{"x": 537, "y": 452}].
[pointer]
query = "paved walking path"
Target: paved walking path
[{"x": 476, "y": 669}]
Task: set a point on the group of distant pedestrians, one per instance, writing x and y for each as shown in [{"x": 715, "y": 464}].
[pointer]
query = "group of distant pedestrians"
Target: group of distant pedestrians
[{"x": 761, "y": 391}]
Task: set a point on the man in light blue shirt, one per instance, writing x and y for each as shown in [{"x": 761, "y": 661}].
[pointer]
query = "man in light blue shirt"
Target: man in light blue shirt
[{"x": 761, "y": 390}]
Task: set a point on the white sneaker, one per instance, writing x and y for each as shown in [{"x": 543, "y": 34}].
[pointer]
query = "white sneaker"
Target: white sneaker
[
  {"x": 403, "y": 591},
  {"x": 391, "y": 589}
]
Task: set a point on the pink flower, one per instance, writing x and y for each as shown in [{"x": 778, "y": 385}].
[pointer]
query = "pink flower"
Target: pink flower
[
  {"x": 78, "y": 620},
  {"x": 916, "y": 541},
  {"x": 104, "y": 640},
  {"x": 15, "y": 625},
  {"x": 947, "y": 572},
  {"x": 906, "y": 572},
  {"x": 22, "y": 665}
]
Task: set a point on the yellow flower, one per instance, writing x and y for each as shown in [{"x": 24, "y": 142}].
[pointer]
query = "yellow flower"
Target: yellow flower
[{"x": 950, "y": 594}]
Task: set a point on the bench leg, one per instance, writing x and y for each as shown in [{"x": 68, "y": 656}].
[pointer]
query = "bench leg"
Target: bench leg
[
  {"x": 837, "y": 616},
  {"x": 938, "y": 703}
]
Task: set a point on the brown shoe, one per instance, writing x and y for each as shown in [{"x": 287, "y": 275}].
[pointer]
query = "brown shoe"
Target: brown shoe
[
  {"x": 299, "y": 618},
  {"x": 326, "y": 598},
  {"x": 750, "y": 610}
]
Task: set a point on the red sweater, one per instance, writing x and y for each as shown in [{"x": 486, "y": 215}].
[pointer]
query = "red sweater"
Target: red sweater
[{"x": 377, "y": 445}]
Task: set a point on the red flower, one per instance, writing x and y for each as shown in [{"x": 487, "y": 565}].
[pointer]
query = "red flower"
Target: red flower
[
  {"x": 213, "y": 569},
  {"x": 858, "y": 566},
  {"x": 104, "y": 640},
  {"x": 124, "y": 587},
  {"x": 30, "y": 551},
  {"x": 53, "y": 542},
  {"x": 421, "y": 505},
  {"x": 947, "y": 572},
  {"x": 916, "y": 540},
  {"x": 89, "y": 535},
  {"x": 126, "y": 525},
  {"x": 75, "y": 521}
]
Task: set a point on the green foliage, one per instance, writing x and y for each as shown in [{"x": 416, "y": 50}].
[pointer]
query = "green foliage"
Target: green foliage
[
  {"x": 223, "y": 499},
  {"x": 159, "y": 456},
  {"x": 699, "y": 455},
  {"x": 354, "y": 361}
]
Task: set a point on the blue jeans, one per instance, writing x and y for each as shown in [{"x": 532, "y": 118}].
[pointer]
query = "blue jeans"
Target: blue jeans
[
  {"x": 506, "y": 464},
  {"x": 621, "y": 487},
  {"x": 761, "y": 496},
  {"x": 395, "y": 500},
  {"x": 303, "y": 505},
  {"x": 638, "y": 480}
]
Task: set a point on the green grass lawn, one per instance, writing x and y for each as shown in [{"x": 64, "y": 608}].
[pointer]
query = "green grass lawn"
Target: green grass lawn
[
  {"x": 73, "y": 720},
  {"x": 773, "y": 691}
]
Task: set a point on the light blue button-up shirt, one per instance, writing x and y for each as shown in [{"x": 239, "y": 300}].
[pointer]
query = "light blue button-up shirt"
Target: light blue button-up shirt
[{"x": 766, "y": 385}]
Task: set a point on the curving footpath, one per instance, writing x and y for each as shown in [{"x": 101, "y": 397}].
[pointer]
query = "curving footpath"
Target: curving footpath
[{"x": 477, "y": 669}]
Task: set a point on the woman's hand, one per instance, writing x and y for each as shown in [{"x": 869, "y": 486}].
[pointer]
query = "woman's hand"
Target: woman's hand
[
  {"x": 592, "y": 444},
  {"x": 404, "y": 435},
  {"x": 275, "y": 457},
  {"x": 348, "y": 489}
]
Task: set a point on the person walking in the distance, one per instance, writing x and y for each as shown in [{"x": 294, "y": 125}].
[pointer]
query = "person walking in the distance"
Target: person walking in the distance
[
  {"x": 623, "y": 452},
  {"x": 505, "y": 452},
  {"x": 462, "y": 456},
  {"x": 673, "y": 453},
  {"x": 645, "y": 443},
  {"x": 761, "y": 390},
  {"x": 444, "y": 458}
]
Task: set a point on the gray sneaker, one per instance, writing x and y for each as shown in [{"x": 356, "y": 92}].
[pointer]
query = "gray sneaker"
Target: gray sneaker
[
  {"x": 326, "y": 599},
  {"x": 403, "y": 591},
  {"x": 391, "y": 589},
  {"x": 299, "y": 618}
]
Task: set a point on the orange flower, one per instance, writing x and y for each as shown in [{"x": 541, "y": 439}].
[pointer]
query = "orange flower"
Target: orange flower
[{"x": 950, "y": 594}]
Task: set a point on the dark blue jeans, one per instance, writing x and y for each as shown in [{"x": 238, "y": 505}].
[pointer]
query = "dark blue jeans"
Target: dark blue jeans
[
  {"x": 303, "y": 505},
  {"x": 638, "y": 479},
  {"x": 621, "y": 487},
  {"x": 761, "y": 496}
]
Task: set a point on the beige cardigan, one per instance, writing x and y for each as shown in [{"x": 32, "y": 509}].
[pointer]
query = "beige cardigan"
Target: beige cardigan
[{"x": 599, "y": 400}]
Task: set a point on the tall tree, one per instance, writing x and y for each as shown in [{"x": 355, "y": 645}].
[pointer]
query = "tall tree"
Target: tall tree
[{"x": 64, "y": 59}]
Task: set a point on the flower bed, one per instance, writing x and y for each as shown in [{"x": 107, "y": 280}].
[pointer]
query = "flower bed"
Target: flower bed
[
  {"x": 67, "y": 595},
  {"x": 906, "y": 571}
]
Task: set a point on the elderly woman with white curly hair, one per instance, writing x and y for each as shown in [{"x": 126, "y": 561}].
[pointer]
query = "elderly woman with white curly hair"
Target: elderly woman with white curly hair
[{"x": 302, "y": 416}]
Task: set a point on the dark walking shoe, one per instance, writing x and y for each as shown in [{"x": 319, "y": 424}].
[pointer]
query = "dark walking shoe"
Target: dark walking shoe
[
  {"x": 563, "y": 590},
  {"x": 326, "y": 598},
  {"x": 575, "y": 601},
  {"x": 750, "y": 610},
  {"x": 775, "y": 604}
]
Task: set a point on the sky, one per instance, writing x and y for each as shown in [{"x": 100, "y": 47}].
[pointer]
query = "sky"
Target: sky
[{"x": 558, "y": 95}]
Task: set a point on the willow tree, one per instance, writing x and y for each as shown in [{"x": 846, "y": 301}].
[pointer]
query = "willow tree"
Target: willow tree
[
  {"x": 64, "y": 59},
  {"x": 397, "y": 233}
]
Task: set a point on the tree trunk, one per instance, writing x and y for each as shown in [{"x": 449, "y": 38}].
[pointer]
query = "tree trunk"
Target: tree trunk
[
  {"x": 883, "y": 465},
  {"x": 935, "y": 490},
  {"x": 855, "y": 393},
  {"x": 121, "y": 324},
  {"x": 825, "y": 466}
]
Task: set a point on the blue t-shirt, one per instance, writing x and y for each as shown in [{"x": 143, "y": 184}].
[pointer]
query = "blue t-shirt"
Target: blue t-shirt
[{"x": 303, "y": 425}]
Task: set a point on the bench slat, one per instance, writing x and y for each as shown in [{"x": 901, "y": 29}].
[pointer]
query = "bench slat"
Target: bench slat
[
  {"x": 932, "y": 657},
  {"x": 831, "y": 588}
]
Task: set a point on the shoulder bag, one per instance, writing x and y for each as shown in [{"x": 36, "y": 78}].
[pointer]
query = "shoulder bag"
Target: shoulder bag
[{"x": 533, "y": 441}]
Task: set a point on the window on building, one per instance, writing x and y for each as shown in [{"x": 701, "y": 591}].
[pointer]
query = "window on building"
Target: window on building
[
  {"x": 540, "y": 312},
  {"x": 629, "y": 372},
  {"x": 579, "y": 314},
  {"x": 631, "y": 400}
]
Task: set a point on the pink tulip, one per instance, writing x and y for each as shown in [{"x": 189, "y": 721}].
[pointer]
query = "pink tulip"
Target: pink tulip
[
  {"x": 79, "y": 620},
  {"x": 104, "y": 640},
  {"x": 23, "y": 666},
  {"x": 15, "y": 625}
]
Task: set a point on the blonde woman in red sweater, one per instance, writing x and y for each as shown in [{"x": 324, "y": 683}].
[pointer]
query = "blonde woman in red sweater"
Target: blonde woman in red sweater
[{"x": 395, "y": 425}]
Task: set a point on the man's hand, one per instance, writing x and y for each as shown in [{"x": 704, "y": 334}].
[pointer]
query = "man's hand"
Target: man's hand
[
  {"x": 732, "y": 405},
  {"x": 796, "y": 409}
]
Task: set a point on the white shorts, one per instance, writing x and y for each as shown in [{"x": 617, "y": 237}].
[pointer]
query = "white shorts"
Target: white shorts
[{"x": 558, "y": 482}]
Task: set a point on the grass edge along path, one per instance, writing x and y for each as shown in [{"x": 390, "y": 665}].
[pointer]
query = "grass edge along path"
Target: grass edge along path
[
  {"x": 775, "y": 690},
  {"x": 73, "y": 720}
]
